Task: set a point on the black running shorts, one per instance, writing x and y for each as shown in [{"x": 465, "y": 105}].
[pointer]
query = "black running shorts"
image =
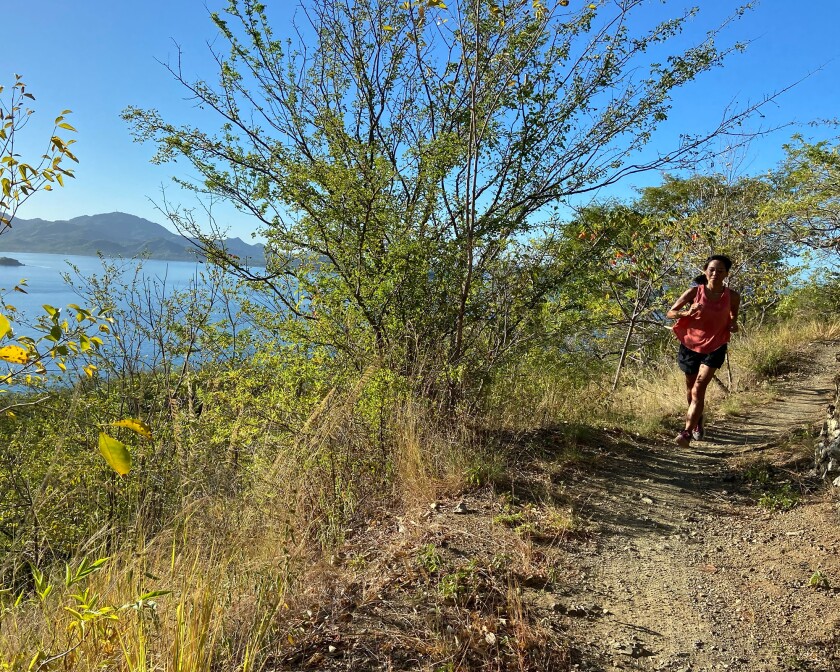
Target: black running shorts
[{"x": 690, "y": 361}]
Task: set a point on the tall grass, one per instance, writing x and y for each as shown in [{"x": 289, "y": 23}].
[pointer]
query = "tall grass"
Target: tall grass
[
  {"x": 652, "y": 397},
  {"x": 232, "y": 566},
  {"x": 777, "y": 349}
]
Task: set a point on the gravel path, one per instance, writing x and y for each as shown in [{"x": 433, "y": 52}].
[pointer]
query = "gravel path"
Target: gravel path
[{"x": 685, "y": 571}]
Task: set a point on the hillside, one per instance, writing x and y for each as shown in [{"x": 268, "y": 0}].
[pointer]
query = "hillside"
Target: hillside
[
  {"x": 624, "y": 553},
  {"x": 112, "y": 234}
]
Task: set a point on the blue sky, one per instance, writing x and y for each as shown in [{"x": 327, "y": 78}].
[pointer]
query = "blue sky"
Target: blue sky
[{"x": 96, "y": 57}]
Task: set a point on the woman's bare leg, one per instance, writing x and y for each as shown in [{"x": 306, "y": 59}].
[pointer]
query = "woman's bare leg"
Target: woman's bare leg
[
  {"x": 697, "y": 396},
  {"x": 690, "y": 379}
]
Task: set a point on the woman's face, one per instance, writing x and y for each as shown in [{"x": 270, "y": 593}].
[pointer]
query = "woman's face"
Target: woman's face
[{"x": 716, "y": 272}]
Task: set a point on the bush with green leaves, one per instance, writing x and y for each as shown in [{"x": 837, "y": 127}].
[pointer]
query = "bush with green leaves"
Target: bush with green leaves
[{"x": 405, "y": 160}]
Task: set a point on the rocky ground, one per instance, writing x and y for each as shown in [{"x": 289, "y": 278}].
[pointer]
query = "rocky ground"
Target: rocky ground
[{"x": 602, "y": 551}]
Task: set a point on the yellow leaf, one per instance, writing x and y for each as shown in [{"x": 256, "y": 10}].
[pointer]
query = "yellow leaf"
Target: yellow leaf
[
  {"x": 387, "y": 28},
  {"x": 90, "y": 370},
  {"x": 592, "y": 7},
  {"x": 136, "y": 426},
  {"x": 115, "y": 453},
  {"x": 14, "y": 354},
  {"x": 5, "y": 326}
]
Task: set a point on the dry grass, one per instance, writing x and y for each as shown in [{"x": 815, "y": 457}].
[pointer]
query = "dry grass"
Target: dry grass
[
  {"x": 651, "y": 399},
  {"x": 231, "y": 588},
  {"x": 777, "y": 350},
  {"x": 236, "y": 569},
  {"x": 103, "y": 621},
  {"x": 436, "y": 592}
]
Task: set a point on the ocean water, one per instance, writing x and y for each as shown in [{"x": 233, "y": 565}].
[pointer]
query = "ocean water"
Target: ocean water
[{"x": 44, "y": 276}]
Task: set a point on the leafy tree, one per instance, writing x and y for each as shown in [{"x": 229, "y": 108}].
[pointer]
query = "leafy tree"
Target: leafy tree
[
  {"x": 636, "y": 257},
  {"x": 807, "y": 194},
  {"x": 647, "y": 251},
  {"x": 816, "y": 296},
  {"x": 399, "y": 155}
]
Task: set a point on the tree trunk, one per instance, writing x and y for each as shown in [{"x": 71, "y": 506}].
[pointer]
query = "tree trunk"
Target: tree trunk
[{"x": 624, "y": 349}]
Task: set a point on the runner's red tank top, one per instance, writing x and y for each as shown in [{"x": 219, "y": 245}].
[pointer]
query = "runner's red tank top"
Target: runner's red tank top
[{"x": 708, "y": 330}]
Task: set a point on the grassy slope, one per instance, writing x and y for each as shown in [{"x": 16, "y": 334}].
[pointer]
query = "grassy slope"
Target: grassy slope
[{"x": 254, "y": 582}]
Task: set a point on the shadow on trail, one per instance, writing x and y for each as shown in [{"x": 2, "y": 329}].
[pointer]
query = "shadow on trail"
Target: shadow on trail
[
  {"x": 646, "y": 489},
  {"x": 622, "y": 485}
]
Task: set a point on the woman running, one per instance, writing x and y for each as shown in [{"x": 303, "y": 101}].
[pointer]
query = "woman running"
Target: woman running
[{"x": 706, "y": 315}]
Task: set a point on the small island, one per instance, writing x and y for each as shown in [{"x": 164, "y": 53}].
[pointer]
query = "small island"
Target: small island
[{"x": 8, "y": 261}]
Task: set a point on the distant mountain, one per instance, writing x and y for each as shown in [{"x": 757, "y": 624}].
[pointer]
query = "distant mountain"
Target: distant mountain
[{"x": 113, "y": 234}]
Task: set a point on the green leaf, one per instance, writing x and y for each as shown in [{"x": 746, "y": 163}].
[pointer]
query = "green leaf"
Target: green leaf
[{"x": 115, "y": 453}]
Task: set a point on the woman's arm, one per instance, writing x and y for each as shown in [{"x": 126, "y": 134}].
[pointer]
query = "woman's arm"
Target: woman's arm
[
  {"x": 734, "y": 305},
  {"x": 686, "y": 299}
]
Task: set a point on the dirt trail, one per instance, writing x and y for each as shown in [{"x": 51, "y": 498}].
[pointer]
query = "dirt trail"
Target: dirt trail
[{"x": 684, "y": 571}]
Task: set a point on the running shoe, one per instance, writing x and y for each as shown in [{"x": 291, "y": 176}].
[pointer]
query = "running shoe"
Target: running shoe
[
  {"x": 684, "y": 438},
  {"x": 698, "y": 432}
]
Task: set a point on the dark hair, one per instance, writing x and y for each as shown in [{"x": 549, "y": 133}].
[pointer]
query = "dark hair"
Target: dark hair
[
  {"x": 702, "y": 279},
  {"x": 726, "y": 261}
]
